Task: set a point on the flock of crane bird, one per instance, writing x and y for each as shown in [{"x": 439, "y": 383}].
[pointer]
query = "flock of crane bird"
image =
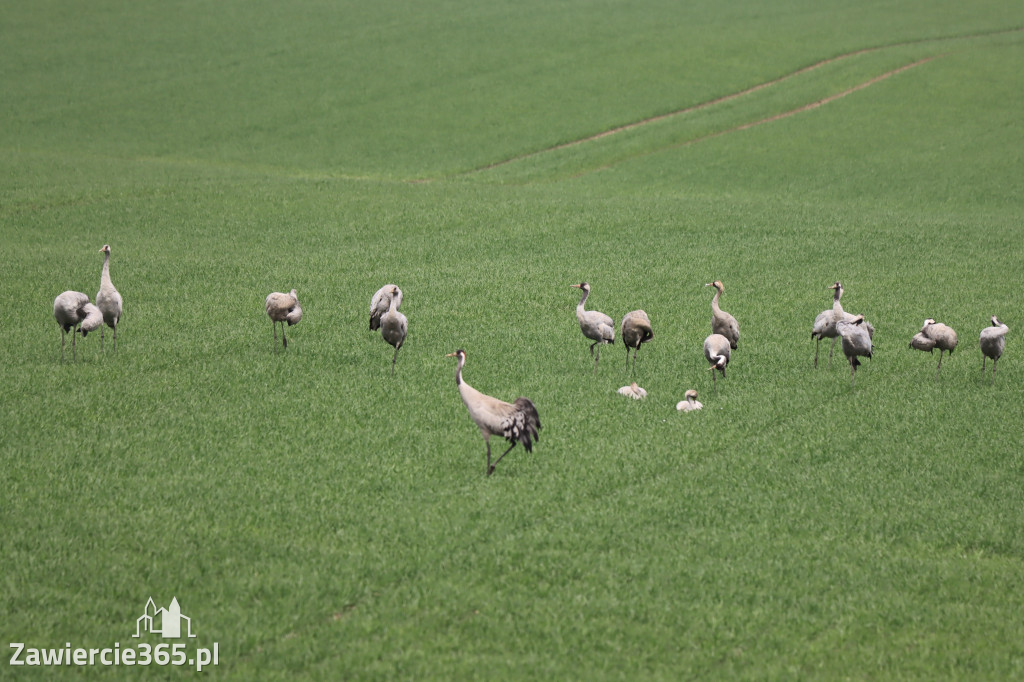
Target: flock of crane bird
[{"x": 518, "y": 422}]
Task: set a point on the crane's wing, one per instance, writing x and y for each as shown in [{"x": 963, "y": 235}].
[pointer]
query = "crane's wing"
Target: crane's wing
[{"x": 522, "y": 423}]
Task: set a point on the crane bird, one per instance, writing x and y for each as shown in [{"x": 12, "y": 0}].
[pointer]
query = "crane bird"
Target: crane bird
[
  {"x": 856, "y": 342},
  {"x": 516, "y": 422},
  {"x": 93, "y": 320},
  {"x": 691, "y": 403},
  {"x": 69, "y": 309},
  {"x": 825, "y": 324},
  {"x": 108, "y": 299},
  {"x": 379, "y": 305},
  {"x": 722, "y": 322},
  {"x": 993, "y": 341},
  {"x": 633, "y": 391},
  {"x": 935, "y": 335},
  {"x": 394, "y": 325},
  {"x": 717, "y": 350},
  {"x": 594, "y": 325},
  {"x": 283, "y": 308},
  {"x": 635, "y": 330}
]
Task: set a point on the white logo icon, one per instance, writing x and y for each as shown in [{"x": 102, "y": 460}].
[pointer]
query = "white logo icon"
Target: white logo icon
[{"x": 169, "y": 621}]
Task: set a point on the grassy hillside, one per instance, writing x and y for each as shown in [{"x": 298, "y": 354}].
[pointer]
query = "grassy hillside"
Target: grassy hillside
[{"x": 320, "y": 519}]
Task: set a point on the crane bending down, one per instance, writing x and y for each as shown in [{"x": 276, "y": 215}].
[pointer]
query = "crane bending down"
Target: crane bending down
[
  {"x": 516, "y": 422},
  {"x": 856, "y": 342},
  {"x": 633, "y": 391},
  {"x": 379, "y": 305},
  {"x": 283, "y": 308},
  {"x": 595, "y": 325},
  {"x": 717, "y": 350},
  {"x": 825, "y": 324},
  {"x": 935, "y": 335},
  {"x": 108, "y": 299},
  {"x": 635, "y": 330},
  {"x": 69, "y": 309},
  {"x": 993, "y": 341},
  {"x": 722, "y": 322},
  {"x": 394, "y": 325}
]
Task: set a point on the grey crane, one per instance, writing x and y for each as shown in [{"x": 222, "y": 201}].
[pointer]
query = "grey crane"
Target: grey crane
[
  {"x": 69, "y": 309},
  {"x": 690, "y": 403},
  {"x": 108, "y": 298},
  {"x": 936, "y": 335},
  {"x": 635, "y": 330},
  {"x": 856, "y": 343},
  {"x": 283, "y": 308},
  {"x": 722, "y": 322},
  {"x": 825, "y": 323},
  {"x": 394, "y": 325},
  {"x": 717, "y": 351},
  {"x": 516, "y": 422},
  {"x": 379, "y": 305},
  {"x": 993, "y": 341},
  {"x": 596, "y": 326}
]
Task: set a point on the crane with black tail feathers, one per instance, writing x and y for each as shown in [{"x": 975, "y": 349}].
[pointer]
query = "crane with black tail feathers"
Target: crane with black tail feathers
[
  {"x": 635, "y": 330},
  {"x": 516, "y": 422}
]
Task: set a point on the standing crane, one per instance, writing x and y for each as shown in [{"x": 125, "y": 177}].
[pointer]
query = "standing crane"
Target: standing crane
[
  {"x": 595, "y": 326},
  {"x": 856, "y": 342},
  {"x": 825, "y": 323},
  {"x": 938, "y": 336},
  {"x": 993, "y": 341},
  {"x": 108, "y": 299},
  {"x": 635, "y": 330},
  {"x": 69, "y": 309},
  {"x": 722, "y": 322},
  {"x": 394, "y": 325},
  {"x": 516, "y": 422},
  {"x": 379, "y": 305},
  {"x": 283, "y": 308},
  {"x": 717, "y": 350}
]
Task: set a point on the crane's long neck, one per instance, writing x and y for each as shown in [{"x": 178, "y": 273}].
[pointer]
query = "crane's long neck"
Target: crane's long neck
[
  {"x": 458, "y": 371},
  {"x": 714, "y": 302},
  {"x": 105, "y": 275},
  {"x": 396, "y": 301},
  {"x": 580, "y": 310},
  {"x": 837, "y": 307}
]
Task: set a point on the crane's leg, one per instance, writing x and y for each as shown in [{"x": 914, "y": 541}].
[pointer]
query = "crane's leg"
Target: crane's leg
[
  {"x": 634, "y": 358},
  {"x": 487, "y": 442},
  {"x": 983, "y": 359},
  {"x": 274, "y": 325},
  {"x": 490, "y": 467},
  {"x": 853, "y": 373},
  {"x": 714, "y": 379},
  {"x": 284, "y": 339},
  {"x": 63, "y": 338},
  {"x": 627, "y": 355},
  {"x": 597, "y": 358},
  {"x": 830, "y": 350},
  {"x": 74, "y": 356},
  {"x": 115, "y": 336},
  {"x": 817, "y": 345},
  {"x": 395, "y": 357},
  {"x": 941, "y": 351},
  {"x": 101, "y": 337},
  {"x": 592, "y": 348}
]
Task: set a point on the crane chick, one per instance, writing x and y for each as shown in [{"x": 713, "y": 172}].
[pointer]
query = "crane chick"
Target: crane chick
[
  {"x": 690, "y": 403},
  {"x": 635, "y": 330},
  {"x": 596, "y": 326},
  {"x": 516, "y": 422},
  {"x": 633, "y": 391},
  {"x": 993, "y": 341},
  {"x": 283, "y": 308},
  {"x": 722, "y": 322}
]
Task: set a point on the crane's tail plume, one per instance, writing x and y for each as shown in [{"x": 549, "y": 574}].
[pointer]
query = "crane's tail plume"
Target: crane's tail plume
[{"x": 523, "y": 424}]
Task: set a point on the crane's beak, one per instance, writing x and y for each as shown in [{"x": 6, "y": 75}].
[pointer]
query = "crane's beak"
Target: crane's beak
[
  {"x": 576, "y": 286},
  {"x": 451, "y": 355}
]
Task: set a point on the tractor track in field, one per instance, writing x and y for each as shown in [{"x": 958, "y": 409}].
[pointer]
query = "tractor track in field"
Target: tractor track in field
[{"x": 742, "y": 93}]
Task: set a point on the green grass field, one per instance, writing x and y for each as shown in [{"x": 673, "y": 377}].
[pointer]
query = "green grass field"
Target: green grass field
[{"x": 319, "y": 519}]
